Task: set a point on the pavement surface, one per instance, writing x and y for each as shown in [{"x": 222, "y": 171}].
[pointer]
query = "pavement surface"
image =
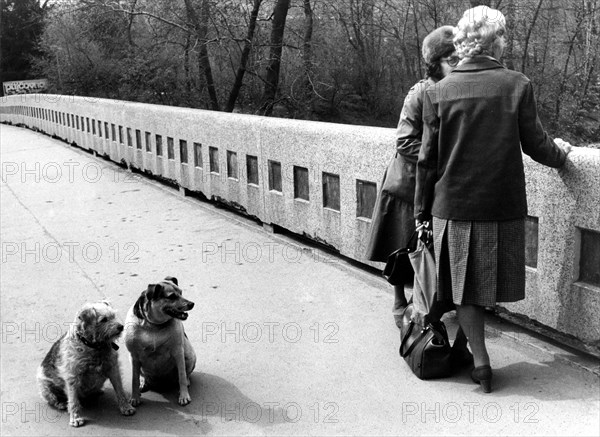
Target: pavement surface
[{"x": 290, "y": 340}]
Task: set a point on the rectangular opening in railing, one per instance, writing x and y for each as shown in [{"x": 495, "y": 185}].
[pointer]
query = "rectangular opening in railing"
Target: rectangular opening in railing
[
  {"x": 301, "y": 186},
  {"x": 252, "y": 169},
  {"x": 213, "y": 157},
  {"x": 148, "y": 141},
  {"x": 531, "y": 241},
  {"x": 170, "y": 148},
  {"x": 183, "y": 151},
  {"x": 232, "y": 165},
  {"x": 275, "y": 176},
  {"x": 159, "y": 148},
  {"x": 366, "y": 195},
  {"x": 198, "y": 155},
  {"x": 331, "y": 191},
  {"x": 589, "y": 258}
]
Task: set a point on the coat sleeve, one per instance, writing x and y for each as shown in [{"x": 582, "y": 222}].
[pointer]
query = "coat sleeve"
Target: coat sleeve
[
  {"x": 534, "y": 140},
  {"x": 410, "y": 126},
  {"x": 428, "y": 161}
]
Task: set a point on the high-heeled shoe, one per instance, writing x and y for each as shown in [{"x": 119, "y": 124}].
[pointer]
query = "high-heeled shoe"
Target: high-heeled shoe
[{"x": 483, "y": 375}]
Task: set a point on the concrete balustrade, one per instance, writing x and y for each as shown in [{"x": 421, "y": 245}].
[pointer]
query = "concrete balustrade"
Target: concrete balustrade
[{"x": 319, "y": 180}]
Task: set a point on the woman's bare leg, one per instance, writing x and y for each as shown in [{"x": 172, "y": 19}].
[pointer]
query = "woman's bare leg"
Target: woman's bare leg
[{"x": 399, "y": 299}]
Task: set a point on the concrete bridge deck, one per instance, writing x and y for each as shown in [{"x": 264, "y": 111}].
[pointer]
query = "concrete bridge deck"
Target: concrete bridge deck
[{"x": 290, "y": 341}]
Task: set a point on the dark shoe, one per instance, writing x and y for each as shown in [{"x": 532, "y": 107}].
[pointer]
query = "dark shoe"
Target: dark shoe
[
  {"x": 460, "y": 357},
  {"x": 483, "y": 375}
]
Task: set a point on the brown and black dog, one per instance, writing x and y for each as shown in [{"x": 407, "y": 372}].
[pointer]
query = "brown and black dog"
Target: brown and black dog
[{"x": 160, "y": 351}]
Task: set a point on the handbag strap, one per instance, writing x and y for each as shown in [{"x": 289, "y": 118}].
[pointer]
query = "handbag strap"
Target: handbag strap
[
  {"x": 439, "y": 331},
  {"x": 414, "y": 343},
  {"x": 412, "y": 242},
  {"x": 411, "y": 246}
]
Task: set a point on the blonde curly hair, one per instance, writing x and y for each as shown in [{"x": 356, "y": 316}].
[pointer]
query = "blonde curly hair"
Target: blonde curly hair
[{"x": 480, "y": 32}]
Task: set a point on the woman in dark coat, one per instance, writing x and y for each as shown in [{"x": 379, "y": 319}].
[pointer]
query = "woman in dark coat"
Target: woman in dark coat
[
  {"x": 470, "y": 177},
  {"x": 393, "y": 220}
]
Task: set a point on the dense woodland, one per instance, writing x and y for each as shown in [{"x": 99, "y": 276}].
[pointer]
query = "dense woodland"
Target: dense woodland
[{"x": 346, "y": 61}]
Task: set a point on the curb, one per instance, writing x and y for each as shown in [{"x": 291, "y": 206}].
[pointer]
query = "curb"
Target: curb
[{"x": 542, "y": 341}]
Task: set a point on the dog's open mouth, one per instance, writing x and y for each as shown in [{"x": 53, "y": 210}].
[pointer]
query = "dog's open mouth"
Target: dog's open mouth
[{"x": 181, "y": 315}]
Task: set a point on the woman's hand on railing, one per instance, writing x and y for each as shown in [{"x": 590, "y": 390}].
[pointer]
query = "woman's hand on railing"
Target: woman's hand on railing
[{"x": 566, "y": 146}]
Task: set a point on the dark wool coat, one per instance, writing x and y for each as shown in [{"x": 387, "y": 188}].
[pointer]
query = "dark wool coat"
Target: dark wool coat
[
  {"x": 476, "y": 122},
  {"x": 393, "y": 223}
]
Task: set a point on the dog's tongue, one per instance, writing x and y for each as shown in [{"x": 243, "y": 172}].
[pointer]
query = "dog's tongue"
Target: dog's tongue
[{"x": 183, "y": 316}]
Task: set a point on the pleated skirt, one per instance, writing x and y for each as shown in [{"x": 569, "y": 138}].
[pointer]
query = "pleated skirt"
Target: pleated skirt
[{"x": 480, "y": 262}]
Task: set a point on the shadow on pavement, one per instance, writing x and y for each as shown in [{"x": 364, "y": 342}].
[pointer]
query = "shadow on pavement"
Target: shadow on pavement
[
  {"x": 214, "y": 400},
  {"x": 523, "y": 379}
]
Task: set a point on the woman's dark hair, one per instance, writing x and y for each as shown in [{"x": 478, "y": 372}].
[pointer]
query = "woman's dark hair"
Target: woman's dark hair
[{"x": 434, "y": 69}]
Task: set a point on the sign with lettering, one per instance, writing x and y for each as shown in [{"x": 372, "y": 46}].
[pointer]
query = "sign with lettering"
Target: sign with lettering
[{"x": 25, "y": 86}]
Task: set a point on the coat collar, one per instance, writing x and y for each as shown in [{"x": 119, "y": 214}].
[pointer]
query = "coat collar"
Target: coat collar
[{"x": 478, "y": 63}]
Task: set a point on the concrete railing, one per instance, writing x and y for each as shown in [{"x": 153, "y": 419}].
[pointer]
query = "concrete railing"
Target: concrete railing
[{"x": 320, "y": 180}]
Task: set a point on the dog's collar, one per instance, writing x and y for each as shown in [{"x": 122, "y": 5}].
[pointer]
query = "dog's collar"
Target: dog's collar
[
  {"x": 146, "y": 317},
  {"x": 95, "y": 345}
]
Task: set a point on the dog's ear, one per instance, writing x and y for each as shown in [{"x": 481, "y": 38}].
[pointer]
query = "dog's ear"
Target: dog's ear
[
  {"x": 85, "y": 318},
  {"x": 87, "y": 314},
  {"x": 172, "y": 279},
  {"x": 147, "y": 295},
  {"x": 154, "y": 291},
  {"x": 139, "y": 304}
]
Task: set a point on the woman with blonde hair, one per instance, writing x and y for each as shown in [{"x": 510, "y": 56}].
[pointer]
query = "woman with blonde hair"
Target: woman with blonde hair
[{"x": 470, "y": 177}]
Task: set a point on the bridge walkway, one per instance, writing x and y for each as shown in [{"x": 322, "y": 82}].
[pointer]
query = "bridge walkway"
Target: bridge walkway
[{"x": 290, "y": 340}]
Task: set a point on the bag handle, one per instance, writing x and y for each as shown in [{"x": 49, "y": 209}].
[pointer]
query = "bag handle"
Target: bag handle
[
  {"x": 411, "y": 246},
  {"x": 414, "y": 343},
  {"x": 439, "y": 333},
  {"x": 412, "y": 242}
]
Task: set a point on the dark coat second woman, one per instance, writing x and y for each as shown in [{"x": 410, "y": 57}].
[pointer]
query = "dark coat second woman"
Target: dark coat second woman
[{"x": 393, "y": 218}]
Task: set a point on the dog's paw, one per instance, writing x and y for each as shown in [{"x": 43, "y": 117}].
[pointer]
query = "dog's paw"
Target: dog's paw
[
  {"x": 135, "y": 402},
  {"x": 184, "y": 399},
  {"x": 76, "y": 421},
  {"x": 127, "y": 409}
]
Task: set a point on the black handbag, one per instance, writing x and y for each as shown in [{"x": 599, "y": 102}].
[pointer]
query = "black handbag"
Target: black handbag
[
  {"x": 426, "y": 349},
  {"x": 398, "y": 269}
]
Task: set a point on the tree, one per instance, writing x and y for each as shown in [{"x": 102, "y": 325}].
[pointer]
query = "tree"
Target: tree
[
  {"x": 475, "y": 3},
  {"x": 307, "y": 88},
  {"x": 528, "y": 37},
  {"x": 272, "y": 76},
  {"x": 21, "y": 27},
  {"x": 200, "y": 25},
  {"x": 347, "y": 61},
  {"x": 241, "y": 71}
]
